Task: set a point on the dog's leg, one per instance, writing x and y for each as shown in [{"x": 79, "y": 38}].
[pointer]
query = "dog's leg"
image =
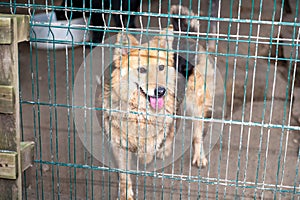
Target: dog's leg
[
  {"x": 123, "y": 158},
  {"x": 199, "y": 158},
  {"x": 198, "y": 103},
  {"x": 195, "y": 109}
]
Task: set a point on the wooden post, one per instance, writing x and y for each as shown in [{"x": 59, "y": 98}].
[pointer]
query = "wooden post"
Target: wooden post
[{"x": 13, "y": 29}]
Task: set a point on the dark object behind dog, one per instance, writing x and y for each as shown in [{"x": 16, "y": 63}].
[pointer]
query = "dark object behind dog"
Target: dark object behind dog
[
  {"x": 97, "y": 17},
  {"x": 287, "y": 6}
]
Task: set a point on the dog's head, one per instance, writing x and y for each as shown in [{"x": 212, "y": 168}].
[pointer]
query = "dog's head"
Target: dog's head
[{"x": 146, "y": 68}]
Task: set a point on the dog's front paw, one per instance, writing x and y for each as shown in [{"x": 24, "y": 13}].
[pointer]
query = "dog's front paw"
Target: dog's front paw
[{"x": 199, "y": 161}]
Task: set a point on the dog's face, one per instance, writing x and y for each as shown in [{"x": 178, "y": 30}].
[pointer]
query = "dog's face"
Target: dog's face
[{"x": 147, "y": 73}]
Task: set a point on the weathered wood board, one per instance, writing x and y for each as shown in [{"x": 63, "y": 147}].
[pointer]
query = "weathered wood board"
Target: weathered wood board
[{"x": 13, "y": 29}]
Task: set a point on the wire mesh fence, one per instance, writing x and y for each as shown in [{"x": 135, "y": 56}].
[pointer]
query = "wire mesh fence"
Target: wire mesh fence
[{"x": 150, "y": 78}]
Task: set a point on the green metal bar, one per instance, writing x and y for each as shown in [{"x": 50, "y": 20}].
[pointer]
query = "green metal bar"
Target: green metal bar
[
  {"x": 149, "y": 14},
  {"x": 264, "y": 108},
  {"x": 74, "y": 129},
  {"x": 210, "y": 181},
  {"x": 233, "y": 122},
  {"x": 68, "y": 117},
  {"x": 286, "y": 102},
  {"x": 232, "y": 105}
]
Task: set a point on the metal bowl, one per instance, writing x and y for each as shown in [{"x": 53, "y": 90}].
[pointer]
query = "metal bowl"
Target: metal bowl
[{"x": 47, "y": 32}]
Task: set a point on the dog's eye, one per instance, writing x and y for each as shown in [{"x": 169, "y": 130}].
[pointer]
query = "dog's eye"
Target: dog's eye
[
  {"x": 161, "y": 67},
  {"x": 142, "y": 70}
]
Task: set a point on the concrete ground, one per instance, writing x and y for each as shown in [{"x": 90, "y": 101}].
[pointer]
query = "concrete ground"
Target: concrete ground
[{"x": 248, "y": 160}]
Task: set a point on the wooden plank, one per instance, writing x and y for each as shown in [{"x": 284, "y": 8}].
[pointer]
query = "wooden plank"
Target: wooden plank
[
  {"x": 8, "y": 164},
  {"x": 7, "y": 62},
  {"x": 7, "y": 34},
  {"x": 12, "y": 31},
  {"x": 9, "y": 192},
  {"x": 8, "y": 140},
  {"x": 9, "y": 189},
  {"x": 7, "y": 99},
  {"x": 9, "y": 37},
  {"x": 9, "y": 137},
  {"x": 27, "y": 155},
  {"x": 23, "y": 32},
  {"x": 9, "y": 160}
]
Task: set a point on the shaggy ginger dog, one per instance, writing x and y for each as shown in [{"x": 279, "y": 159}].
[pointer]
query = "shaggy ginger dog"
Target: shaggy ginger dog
[
  {"x": 143, "y": 81},
  {"x": 141, "y": 99}
]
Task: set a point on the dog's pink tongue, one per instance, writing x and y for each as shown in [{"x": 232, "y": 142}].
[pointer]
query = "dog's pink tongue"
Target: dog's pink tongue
[{"x": 159, "y": 102}]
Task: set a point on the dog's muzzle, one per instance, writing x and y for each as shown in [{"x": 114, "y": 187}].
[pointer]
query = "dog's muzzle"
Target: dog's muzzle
[{"x": 157, "y": 101}]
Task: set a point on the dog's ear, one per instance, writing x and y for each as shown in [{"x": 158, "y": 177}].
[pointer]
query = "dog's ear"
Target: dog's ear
[
  {"x": 184, "y": 24},
  {"x": 123, "y": 45},
  {"x": 165, "y": 39},
  {"x": 125, "y": 41}
]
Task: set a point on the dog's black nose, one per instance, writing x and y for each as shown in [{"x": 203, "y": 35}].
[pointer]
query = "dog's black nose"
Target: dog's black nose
[{"x": 159, "y": 91}]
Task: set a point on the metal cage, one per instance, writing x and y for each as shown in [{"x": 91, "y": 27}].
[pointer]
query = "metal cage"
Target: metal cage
[{"x": 251, "y": 139}]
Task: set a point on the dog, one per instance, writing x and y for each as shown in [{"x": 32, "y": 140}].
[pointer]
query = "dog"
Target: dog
[
  {"x": 139, "y": 86},
  {"x": 141, "y": 97},
  {"x": 198, "y": 70},
  {"x": 97, "y": 17}
]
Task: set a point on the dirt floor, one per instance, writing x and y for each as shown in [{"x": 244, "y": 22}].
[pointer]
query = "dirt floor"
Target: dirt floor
[{"x": 249, "y": 160}]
